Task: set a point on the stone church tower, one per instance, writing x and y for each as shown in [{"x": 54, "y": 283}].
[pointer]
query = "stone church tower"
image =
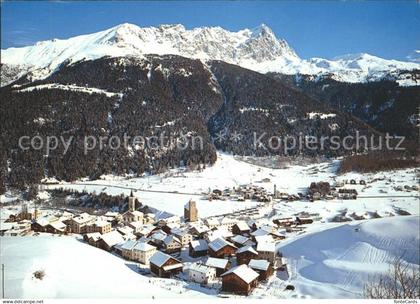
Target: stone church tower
[
  {"x": 190, "y": 211},
  {"x": 131, "y": 202}
]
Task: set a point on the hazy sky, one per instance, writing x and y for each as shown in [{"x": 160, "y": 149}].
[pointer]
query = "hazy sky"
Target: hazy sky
[{"x": 313, "y": 28}]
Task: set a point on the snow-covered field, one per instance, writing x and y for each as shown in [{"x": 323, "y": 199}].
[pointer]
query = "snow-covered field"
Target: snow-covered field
[
  {"x": 338, "y": 259},
  {"x": 228, "y": 171},
  {"x": 73, "y": 269},
  {"x": 328, "y": 261}
]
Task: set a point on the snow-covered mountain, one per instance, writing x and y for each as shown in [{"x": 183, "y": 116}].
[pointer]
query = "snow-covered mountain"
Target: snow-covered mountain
[{"x": 256, "y": 49}]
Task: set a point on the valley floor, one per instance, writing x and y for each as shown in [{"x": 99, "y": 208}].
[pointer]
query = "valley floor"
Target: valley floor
[{"x": 329, "y": 259}]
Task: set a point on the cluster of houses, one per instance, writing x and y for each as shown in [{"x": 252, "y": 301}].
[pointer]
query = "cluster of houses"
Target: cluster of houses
[
  {"x": 237, "y": 254},
  {"x": 323, "y": 190},
  {"x": 241, "y": 193},
  {"x": 218, "y": 251}
]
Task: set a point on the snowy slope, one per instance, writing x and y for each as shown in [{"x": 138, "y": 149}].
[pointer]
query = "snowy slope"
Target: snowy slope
[
  {"x": 72, "y": 269},
  {"x": 336, "y": 262},
  {"x": 257, "y": 49}
]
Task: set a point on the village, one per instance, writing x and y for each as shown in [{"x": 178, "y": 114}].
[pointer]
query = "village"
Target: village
[{"x": 231, "y": 253}]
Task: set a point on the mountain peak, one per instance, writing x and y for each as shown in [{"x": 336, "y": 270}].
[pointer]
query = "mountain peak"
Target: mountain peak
[{"x": 256, "y": 49}]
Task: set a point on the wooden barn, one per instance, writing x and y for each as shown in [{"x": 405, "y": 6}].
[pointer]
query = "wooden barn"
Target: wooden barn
[
  {"x": 263, "y": 267},
  {"x": 245, "y": 254},
  {"x": 240, "y": 280},
  {"x": 220, "y": 248},
  {"x": 221, "y": 265},
  {"x": 164, "y": 266},
  {"x": 198, "y": 248},
  {"x": 241, "y": 227}
]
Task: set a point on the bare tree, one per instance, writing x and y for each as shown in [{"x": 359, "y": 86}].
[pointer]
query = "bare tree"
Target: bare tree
[{"x": 400, "y": 282}]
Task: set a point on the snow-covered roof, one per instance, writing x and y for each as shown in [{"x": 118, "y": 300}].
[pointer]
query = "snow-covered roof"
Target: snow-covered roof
[
  {"x": 128, "y": 245},
  {"x": 160, "y": 258},
  {"x": 259, "y": 264},
  {"x": 101, "y": 223},
  {"x": 219, "y": 243},
  {"x": 112, "y": 238},
  {"x": 199, "y": 245},
  {"x": 240, "y": 239},
  {"x": 159, "y": 235},
  {"x": 217, "y": 263},
  {"x": 260, "y": 232},
  {"x": 141, "y": 246},
  {"x": 125, "y": 230},
  {"x": 94, "y": 235},
  {"x": 212, "y": 222},
  {"x": 242, "y": 225},
  {"x": 171, "y": 238},
  {"x": 136, "y": 225},
  {"x": 244, "y": 272},
  {"x": 58, "y": 225},
  {"x": 179, "y": 232},
  {"x": 221, "y": 232},
  {"x": 246, "y": 248},
  {"x": 264, "y": 239},
  {"x": 265, "y": 246},
  {"x": 200, "y": 268}
]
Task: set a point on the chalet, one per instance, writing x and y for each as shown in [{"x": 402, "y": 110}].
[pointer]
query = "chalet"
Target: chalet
[
  {"x": 56, "y": 227},
  {"x": 99, "y": 226},
  {"x": 126, "y": 249},
  {"x": 199, "y": 230},
  {"x": 227, "y": 222},
  {"x": 239, "y": 240},
  {"x": 136, "y": 226},
  {"x": 221, "y": 265},
  {"x": 183, "y": 236},
  {"x": 109, "y": 240},
  {"x": 170, "y": 220},
  {"x": 167, "y": 228},
  {"x": 221, "y": 232},
  {"x": 40, "y": 225},
  {"x": 143, "y": 252},
  {"x": 240, "y": 280},
  {"x": 147, "y": 230},
  {"x": 245, "y": 254},
  {"x": 284, "y": 222},
  {"x": 212, "y": 223},
  {"x": 241, "y": 227},
  {"x": 150, "y": 218},
  {"x": 92, "y": 238},
  {"x": 164, "y": 266},
  {"x": 263, "y": 267},
  {"x": 201, "y": 273},
  {"x": 220, "y": 248},
  {"x": 127, "y": 232},
  {"x": 198, "y": 248},
  {"x": 79, "y": 223},
  {"x": 267, "y": 251},
  {"x": 303, "y": 220},
  {"x": 157, "y": 238},
  {"x": 132, "y": 216},
  {"x": 172, "y": 244}
]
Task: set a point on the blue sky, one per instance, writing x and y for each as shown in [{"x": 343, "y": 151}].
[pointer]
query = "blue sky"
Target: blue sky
[{"x": 313, "y": 28}]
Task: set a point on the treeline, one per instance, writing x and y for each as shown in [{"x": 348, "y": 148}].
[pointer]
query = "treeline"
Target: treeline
[
  {"x": 157, "y": 100},
  {"x": 377, "y": 161}
]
